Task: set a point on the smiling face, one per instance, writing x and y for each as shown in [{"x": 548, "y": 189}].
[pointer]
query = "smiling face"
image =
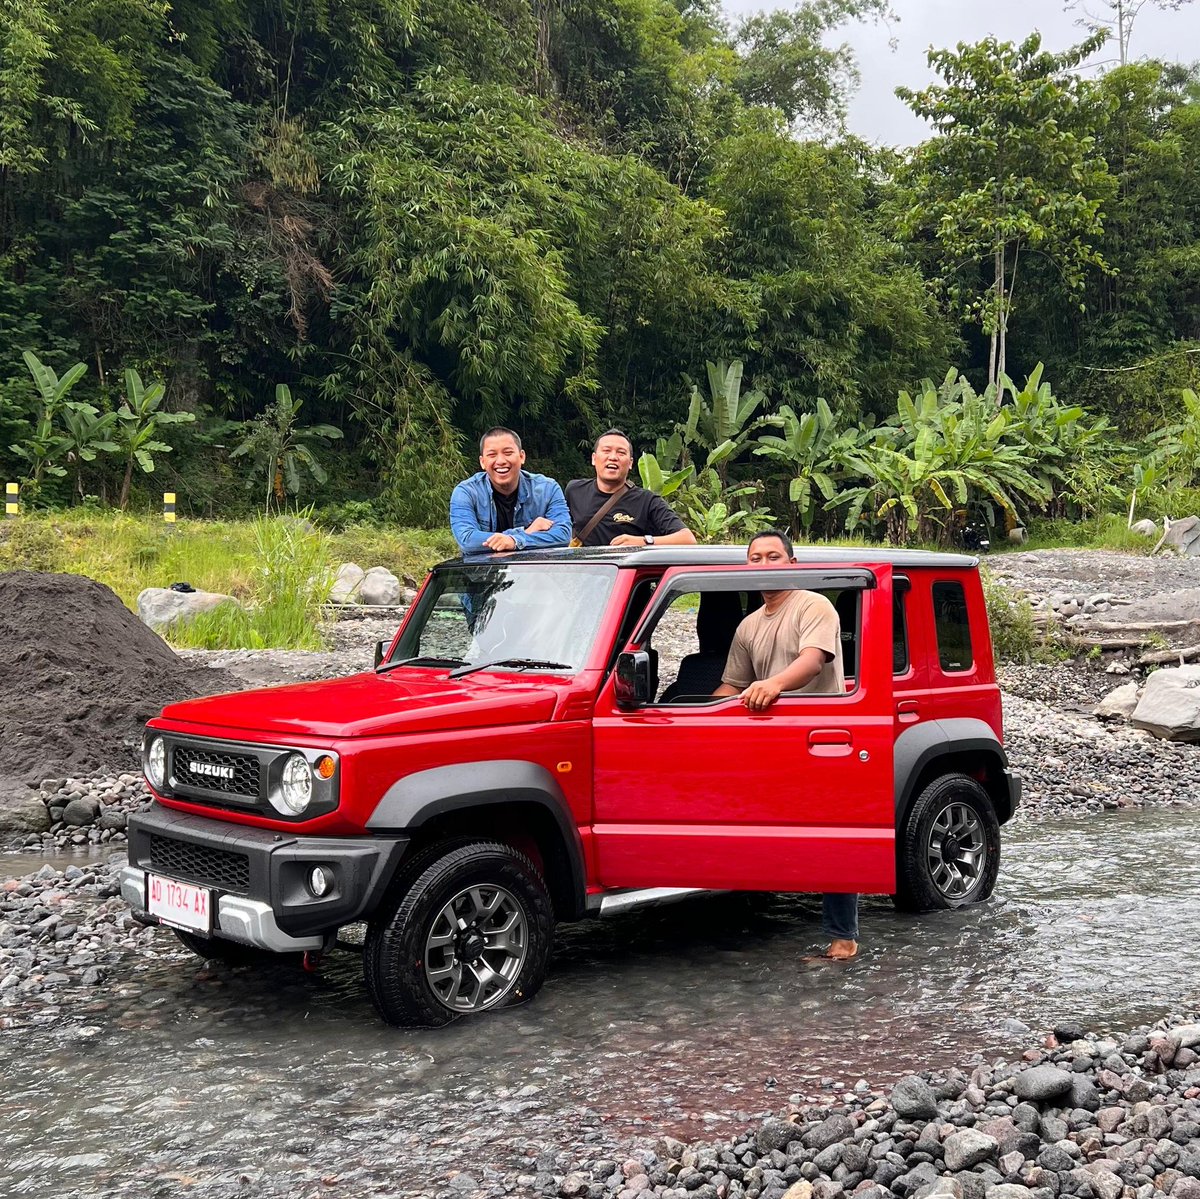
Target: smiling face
[
  {"x": 502, "y": 460},
  {"x": 613, "y": 460}
]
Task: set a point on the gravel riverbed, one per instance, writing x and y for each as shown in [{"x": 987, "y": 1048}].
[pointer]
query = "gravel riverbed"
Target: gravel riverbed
[{"x": 1079, "y": 1113}]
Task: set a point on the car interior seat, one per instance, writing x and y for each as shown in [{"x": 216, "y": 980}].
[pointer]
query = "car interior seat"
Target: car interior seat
[{"x": 719, "y": 614}]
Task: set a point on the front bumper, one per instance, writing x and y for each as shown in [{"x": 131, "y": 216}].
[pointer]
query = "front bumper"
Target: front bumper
[{"x": 258, "y": 878}]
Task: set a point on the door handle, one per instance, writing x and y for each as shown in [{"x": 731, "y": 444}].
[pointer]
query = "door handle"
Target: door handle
[
  {"x": 829, "y": 743},
  {"x": 908, "y": 711}
]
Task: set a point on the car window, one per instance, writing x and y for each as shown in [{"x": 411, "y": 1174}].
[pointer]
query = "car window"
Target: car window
[
  {"x": 690, "y": 642},
  {"x": 952, "y": 626},
  {"x": 899, "y": 631}
]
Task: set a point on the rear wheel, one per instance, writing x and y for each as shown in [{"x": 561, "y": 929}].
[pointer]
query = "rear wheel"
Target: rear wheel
[
  {"x": 470, "y": 933},
  {"x": 948, "y": 851}
]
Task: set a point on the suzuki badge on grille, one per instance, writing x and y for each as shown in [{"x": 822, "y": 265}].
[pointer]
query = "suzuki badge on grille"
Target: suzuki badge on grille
[{"x": 211, "y": 769}]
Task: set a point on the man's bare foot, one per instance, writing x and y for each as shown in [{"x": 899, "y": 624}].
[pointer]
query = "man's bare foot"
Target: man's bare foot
[{"x": 840, "y": 950}]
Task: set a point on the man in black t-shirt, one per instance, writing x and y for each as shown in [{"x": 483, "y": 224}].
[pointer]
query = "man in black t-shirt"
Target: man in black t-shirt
[{"x": 638, "y": 517}]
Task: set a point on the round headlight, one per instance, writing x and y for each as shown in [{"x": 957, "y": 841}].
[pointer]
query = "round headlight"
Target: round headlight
[
  {"x": 156, "y": 763},
  {"x": 295, "y": 787}
]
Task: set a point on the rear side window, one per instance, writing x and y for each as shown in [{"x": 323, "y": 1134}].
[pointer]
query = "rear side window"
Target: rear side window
[
  {"x": 953, "y": 631},
  {"x": 899, "y": 632}
]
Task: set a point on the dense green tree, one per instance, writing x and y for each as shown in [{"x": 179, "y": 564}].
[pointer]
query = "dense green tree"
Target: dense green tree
[{"x": 1011, "y": 170}]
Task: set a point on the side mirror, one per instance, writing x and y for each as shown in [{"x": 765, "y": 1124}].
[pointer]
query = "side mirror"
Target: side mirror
[
  {"x": 381, "y": 649},
  {"x": 632, "y": 687}
]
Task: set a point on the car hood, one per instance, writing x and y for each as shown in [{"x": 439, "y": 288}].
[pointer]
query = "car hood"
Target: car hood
[{"x": 372, "y": 705}]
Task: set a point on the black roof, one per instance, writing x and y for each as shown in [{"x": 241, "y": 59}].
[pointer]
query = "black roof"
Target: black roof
[{"x": 724, "y": 555}]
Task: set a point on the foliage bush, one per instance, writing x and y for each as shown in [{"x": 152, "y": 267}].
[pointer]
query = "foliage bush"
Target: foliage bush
[{"x": 1017, "y": 636}]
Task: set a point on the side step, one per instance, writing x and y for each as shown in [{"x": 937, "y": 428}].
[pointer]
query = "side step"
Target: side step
[{"x": 614, "y": 902}]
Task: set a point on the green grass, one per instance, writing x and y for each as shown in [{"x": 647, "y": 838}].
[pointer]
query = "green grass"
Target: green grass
[
  {"x": 279, "y": 569},
  {"x": 1108, "y": 531}
]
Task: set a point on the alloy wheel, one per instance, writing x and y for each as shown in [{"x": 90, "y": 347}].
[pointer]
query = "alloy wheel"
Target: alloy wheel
[
  {"x": 476, "y": 947},
  {"x": 957, "y": 850}
]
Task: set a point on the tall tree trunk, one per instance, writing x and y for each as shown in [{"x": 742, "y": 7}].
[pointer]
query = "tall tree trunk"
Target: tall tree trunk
[
  {"x": 121, "y": 503},
  {"x": 998, "y": 289}
]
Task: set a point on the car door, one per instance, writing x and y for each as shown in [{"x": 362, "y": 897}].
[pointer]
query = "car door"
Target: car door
[{"x": 710, "y": 795}]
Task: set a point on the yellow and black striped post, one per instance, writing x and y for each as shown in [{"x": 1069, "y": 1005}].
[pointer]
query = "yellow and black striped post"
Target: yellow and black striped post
[
  {"x": 169, "y": 507},
  {"x": 12, "y": 499}
]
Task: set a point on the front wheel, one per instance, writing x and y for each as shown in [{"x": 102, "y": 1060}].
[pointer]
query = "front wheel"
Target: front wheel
[
  {"x": 470, "y": 933},
  {"x": 948, "y": 851}
]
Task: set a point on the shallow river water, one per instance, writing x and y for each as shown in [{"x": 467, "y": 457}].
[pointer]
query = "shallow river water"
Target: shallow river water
[{"x": 689, "y": 1020}]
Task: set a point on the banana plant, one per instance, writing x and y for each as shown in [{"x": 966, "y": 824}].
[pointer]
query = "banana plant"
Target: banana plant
[
  {"x": 138, "y": 422},
  {"x": 283, "y": 447},
  {"x": 45, "y": 448},
  {"x": 87, "y": 434},
  {"x": 723, "y": 422},
  {"x": 661, "y": 482},
  {"x": 821, "y": 455}
]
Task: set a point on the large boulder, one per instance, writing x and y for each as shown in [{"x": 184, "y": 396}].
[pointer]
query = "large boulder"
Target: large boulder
[
  {"x": 161, "y": 607},
  {"x": 346, "y": 584},
  {"x": 379, "y": 586},
  {"x": 1147, "y": 528},
  {"x": 1184, "y": 536},
  {"x": 1118, "y": 704},
  {"x": 22, "y": 810},
  {"x": 1170, "y": 704}
]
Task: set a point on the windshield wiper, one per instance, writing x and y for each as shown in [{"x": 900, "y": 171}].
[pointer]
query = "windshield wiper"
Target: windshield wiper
[
  {"x": 516, "y": 663},
  {"x": 384, "y": 667}
]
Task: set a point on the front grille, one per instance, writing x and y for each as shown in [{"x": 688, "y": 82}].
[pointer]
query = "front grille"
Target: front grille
[
  {"x": 231, "y": 774},
  {"x": 199, "y": 863}
]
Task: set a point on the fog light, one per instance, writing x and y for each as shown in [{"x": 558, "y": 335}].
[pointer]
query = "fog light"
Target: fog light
[
  {"x": 156, "y": 763},
  {"x": 320, "y": 879}
]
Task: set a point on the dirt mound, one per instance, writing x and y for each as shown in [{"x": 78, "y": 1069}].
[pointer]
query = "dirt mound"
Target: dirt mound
[{"x": 79, "y": 676}]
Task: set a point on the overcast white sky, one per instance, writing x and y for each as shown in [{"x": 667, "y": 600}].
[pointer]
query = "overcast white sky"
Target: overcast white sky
[{"x": 875, "y": 112}]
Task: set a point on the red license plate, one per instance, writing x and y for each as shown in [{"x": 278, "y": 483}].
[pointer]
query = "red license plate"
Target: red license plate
[{"x": 179, "y": 903}]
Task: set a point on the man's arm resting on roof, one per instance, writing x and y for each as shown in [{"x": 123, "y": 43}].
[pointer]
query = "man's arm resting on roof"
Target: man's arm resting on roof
[
  {"x": 464, "y": 523},
  {"x": 762, "y": 694}
]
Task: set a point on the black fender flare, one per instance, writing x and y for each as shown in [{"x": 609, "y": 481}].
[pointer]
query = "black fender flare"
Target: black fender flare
[
  {"x": 924, "y": 743},
  {"x": 415, "y": 800}
]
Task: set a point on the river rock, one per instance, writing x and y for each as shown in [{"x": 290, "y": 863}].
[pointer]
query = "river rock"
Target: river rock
[
  {"x": 1184, "y": 536},
  {"x": 81, "y": 812},
  {"x": 160, "y": 607},
  {"x": 913, "y": 1098},
  {"x": 1118, "y": 704},
  {"x": 776, "y": 1134},
  {"x": 380, "y": 586},
  {"x": 828, "y": 1132},
  {"x": 968, "y": 1148},
  {"x": 1147, "y": 528},
  {"x": 1007, "y": 1190},
  {"x": 346, "y": 583},
  {"x": 1170, "y": 704},
  {"x": 1041, "y": 1084}
]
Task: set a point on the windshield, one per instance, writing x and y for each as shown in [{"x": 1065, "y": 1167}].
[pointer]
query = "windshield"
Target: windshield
[{"x": 473, "y": 615}]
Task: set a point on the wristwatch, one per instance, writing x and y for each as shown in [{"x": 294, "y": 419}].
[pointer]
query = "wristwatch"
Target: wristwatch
[{"x": 648, "y": 538}]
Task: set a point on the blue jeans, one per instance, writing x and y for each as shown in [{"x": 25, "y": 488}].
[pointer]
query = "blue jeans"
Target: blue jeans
[{"x": 839, "y": 917}]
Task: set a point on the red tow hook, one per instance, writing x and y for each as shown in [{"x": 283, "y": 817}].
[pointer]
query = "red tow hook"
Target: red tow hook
[{"x": 312, "y": 960}]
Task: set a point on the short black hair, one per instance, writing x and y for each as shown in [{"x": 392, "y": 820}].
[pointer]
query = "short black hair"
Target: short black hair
[
  {"x": 500, "y": 431},
  {"x": 777, "y": 533},
  {"x": 613, "y": 433}
]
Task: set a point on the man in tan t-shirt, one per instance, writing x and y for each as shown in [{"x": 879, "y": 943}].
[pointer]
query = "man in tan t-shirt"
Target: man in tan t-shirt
[{"x": 792, "y": 643}]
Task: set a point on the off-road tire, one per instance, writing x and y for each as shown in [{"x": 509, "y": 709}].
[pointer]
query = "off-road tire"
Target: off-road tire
[
  {"x": 218, "y": 949},
  {"x": 952, "y": 813},
  {"x": 398, "y": 936}
]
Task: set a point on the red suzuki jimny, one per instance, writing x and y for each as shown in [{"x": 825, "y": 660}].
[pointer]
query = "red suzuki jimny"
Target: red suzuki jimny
[{"x": 540, "y": 743}]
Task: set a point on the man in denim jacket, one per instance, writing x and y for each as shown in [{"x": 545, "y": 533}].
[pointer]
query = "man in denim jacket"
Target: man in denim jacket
[{"x": 506, "y": 508}]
